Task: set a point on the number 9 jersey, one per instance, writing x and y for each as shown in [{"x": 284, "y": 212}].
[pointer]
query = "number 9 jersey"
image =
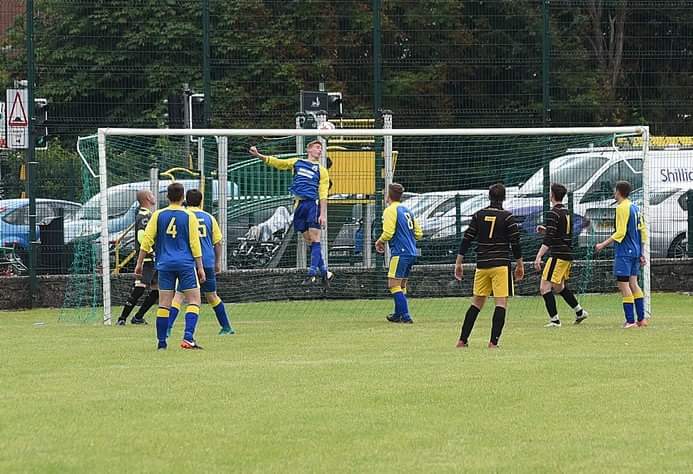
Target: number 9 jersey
[{"x": 400, "y": 230}]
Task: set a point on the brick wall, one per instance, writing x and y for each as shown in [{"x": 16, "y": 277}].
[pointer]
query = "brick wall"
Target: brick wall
[{"x": 350, "y": 282}]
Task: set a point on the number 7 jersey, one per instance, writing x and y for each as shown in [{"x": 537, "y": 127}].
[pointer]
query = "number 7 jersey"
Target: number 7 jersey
[
  {"x": 173, "y": 233},
  {"x": 400, "y": 230}
]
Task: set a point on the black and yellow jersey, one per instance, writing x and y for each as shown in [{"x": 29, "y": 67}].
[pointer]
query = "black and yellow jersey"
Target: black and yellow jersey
[
  {"x": 559, "y": 233},
  {"x": 497, "y": 234},
  {"x": 141, "y": 221}
]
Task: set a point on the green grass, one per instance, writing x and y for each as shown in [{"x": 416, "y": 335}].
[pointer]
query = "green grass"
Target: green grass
[{"x": 306, "y": 387}]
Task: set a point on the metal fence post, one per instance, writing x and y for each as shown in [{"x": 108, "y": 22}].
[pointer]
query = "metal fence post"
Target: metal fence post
[
  {"x": 325, "y": 236},
  {"x": 31, "y": 152},
  {"x": 301, "y": 248}
]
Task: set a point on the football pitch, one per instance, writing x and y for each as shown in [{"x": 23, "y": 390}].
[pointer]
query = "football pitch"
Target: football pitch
[{"x": 332, "y": 387}]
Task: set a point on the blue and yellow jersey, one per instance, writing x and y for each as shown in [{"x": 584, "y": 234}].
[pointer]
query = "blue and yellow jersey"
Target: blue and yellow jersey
[
  {"x": 630, "y": 230},
  {"x": 400, "y": 230},
  {"x": 210, "y": 235},
  {"x": 311, "y": 181},
  {"x": 173, "y": 233}
]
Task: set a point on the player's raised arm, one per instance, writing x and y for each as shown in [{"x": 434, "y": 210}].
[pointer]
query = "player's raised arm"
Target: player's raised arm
[{"x": 282, "y": 165}]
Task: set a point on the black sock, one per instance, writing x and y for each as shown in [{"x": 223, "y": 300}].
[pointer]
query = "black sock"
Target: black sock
[
  {"x": 572, "y": 301},
  {"x": 131, "y": 302},
  {"x": 468, "y": 325},
  {"x": 498, "y": 323},
  {"x": 550, "y": 302},
  {"x": 151, "y": 300}
]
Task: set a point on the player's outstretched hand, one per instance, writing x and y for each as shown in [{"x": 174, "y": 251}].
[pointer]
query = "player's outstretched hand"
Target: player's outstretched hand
[
  {"x": 138, "y": 271},
  {"x": 537, "y": 265},
  {"x": 380, "y": 246},
  {"x": 253, "y": 151},
  {"x": 459, "y": 272},
  {"x": 599, "y": 247},
  {"x": 519, "y": 272},
  {"x": 201, "y": 275}
]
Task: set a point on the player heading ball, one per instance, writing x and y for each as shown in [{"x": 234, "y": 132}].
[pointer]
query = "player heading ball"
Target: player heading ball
[{"x": 310, "y": 185}]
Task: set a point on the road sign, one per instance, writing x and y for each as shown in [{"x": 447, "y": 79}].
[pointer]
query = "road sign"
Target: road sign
[
  {"x": 17, "y": 119},
  {"x": 3, "y": 132}
]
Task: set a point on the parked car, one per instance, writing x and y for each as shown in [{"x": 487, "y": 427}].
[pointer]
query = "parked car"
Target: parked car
[
  {"x": 122, "y": 208},
  {"x": 14, "y": 219},
  {"x": 668, "y": 222}
]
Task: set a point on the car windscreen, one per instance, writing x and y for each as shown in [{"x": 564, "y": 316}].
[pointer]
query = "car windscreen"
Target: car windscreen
[
  {"x": 119, "y": 202},
  {"x": 571, "y": 171}
]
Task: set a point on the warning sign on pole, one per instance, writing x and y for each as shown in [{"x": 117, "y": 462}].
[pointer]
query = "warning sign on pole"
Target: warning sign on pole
[
  {"x": 3, "y": 131},
  {"x": 17, "y": 119}
]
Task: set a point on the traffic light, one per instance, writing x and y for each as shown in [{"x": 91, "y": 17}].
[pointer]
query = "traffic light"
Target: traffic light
[
  {"x": 175, "y": 113},
  {"x": 41, "y": 124},
  {"x": 197, "y": 110}
]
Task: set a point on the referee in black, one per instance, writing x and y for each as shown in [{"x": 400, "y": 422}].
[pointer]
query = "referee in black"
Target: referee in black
[{"x": 149, "y": 279}]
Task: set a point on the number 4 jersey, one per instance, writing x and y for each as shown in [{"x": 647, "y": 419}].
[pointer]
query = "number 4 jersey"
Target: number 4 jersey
[
  {"x": 173, "y": 233},
  {"x": 400, "y": 230}
]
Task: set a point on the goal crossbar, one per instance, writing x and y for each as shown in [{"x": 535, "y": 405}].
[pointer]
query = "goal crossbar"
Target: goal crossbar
[{"x": 377, "y": 132}]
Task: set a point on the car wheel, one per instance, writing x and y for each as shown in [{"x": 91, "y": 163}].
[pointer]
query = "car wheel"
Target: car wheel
[{"x": 678, "y": 248}]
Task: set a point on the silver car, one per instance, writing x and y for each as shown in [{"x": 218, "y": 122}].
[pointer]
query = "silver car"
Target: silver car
[{"x": 668, "y": 222}]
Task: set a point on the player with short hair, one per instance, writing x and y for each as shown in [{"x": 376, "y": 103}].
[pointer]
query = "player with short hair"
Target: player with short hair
[
  {"x": 147, "y": 203},
  {"x": 400, "y": 232},
  {"x": 497, "y": 235},
  {"x": 558, "y": 240},
  {"x": 173, "y": 233},
  {"x": 629, "y": 254},
  {"x": 211, "y": 241},
  {"x": 310, "y": 184}
]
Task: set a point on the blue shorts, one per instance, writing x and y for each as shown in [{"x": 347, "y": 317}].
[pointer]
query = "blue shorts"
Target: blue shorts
[
  {"x": 626, "y": 266},
  {"x": 210, "y": 284},
  {"x": 306, "y": 215},
  {"x": 187, "y": 280},
  {"x": 400, "y": 266}
]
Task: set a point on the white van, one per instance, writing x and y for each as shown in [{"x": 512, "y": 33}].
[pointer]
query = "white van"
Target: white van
[{"x": 591, "y": 176}]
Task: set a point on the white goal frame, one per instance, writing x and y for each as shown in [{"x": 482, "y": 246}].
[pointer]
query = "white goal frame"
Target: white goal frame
[{"x": 386, "y": 133}]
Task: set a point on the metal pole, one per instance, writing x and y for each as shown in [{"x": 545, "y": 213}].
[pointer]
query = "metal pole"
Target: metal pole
[
  {"x": 103, "y": 211},
  {"x": 301, "y": 248},
  {"x": 389, "y": 167},
  {"x": 458, "y": 217},
  {"x": 377, "y": 58},
  {"x": 31, "y": 153},
  {"x": 324, "y": 235},
  {"x": 187, "y": 118},
  {"x": 647, "y": 283},
  {"x": 206, "y": 72},
  {"x": 223, "y": 145},
  {"x": 154, "y": 184},
  {"x": 546, "y": 98}
]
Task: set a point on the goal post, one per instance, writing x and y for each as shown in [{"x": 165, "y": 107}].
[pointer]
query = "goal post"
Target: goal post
[{"x": 463, "y": 142}]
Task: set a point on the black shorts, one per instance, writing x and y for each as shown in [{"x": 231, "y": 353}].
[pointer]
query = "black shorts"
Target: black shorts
[{"x": 149, "y": 275}]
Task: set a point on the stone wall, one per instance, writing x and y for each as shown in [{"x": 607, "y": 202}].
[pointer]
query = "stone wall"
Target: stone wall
[{"x": 350, "y": 283}]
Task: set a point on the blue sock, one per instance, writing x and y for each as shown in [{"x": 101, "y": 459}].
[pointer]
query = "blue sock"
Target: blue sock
[
  {"x": 639, "y": 300},
  {"x": 192, "y": 312},
  {"x": 315, "y": 259},
  {"x": 401, "y": 307},
  {"x": 173, "y": 314},
  {"x": 628, "y": 309},
  {"x": 220, "y": 312},
  {"x": 161, "y": 324}
]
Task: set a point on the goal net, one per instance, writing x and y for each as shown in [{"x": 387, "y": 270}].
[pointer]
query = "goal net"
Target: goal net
[{"x": 446, "y": 174}]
